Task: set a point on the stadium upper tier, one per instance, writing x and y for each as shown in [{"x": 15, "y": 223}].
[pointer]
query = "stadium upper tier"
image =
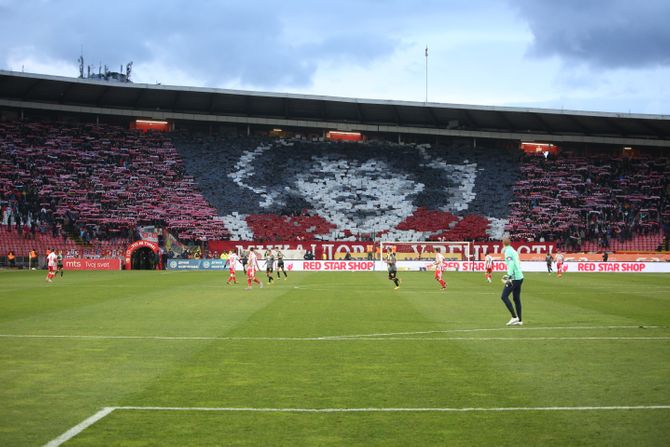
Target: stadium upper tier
[
  {"x": 28, "y": 91},
  {"x": 100, "y": 181}
]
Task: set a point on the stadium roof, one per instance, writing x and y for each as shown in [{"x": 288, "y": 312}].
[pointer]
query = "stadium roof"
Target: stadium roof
[{"x": 53, "y": 93}]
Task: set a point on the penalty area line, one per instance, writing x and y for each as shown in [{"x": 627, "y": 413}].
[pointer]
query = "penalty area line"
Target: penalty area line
[{"x": 83, "y": 425}]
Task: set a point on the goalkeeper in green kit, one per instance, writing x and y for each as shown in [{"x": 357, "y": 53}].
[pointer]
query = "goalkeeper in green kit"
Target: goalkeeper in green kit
[{"x": 512, "y": 280}]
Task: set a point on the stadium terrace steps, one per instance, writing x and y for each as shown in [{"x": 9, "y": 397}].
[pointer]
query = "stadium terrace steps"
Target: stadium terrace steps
[{"x": 640, "y": 242}]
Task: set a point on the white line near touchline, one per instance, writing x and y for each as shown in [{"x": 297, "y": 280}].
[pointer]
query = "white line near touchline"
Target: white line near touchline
[
  {"x": 446, "y": 331},
  {"x": 376, "y": 337},
  {"x": 74, "y": 431}
]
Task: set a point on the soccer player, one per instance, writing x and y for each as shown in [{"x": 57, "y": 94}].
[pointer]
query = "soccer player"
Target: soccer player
[
  {"x": 52, "y": 261},
  {"x": 559, "y": 263},
  {"x": 231, "y": 261},
  {"x": 59, "y": 263},
  {"x": 513, "y": 280},
  {"x": 244, "y": 259},
  {"x": 549, "y": 259},
  {"x": 252, "y": 268},
  {"x": 439, "y": 268},
  {"x": 488, "y": 265},
  {"x": 393, "y": 270},
  {"x": 269, "y": 265},
  {"x": 280, "y": 264}
]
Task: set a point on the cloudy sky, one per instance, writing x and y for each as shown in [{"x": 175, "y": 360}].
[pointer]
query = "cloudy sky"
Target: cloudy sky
[{"x": 603, "y": 55}]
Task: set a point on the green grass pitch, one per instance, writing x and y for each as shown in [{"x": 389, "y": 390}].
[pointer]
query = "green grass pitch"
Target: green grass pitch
[{"x": 591, "y": 366}]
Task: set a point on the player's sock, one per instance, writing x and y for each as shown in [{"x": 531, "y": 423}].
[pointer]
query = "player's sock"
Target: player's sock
[
  {"x": 249, "y": 282},
  {"x": 443, "y": 284},
  {"x": 270, "y": 278},
  {"x": 396, "y": 282}
]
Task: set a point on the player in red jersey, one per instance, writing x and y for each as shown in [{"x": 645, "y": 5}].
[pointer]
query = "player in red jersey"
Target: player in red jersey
[
  {"x": 52, "y": 262},
  {"x": 439, "y": 268},
  {"x": 252, "y": 268},
  {"x": 232, "y": 261},
  {"x": 559, "y": 263},
  {"x": 488, "y": 265}
]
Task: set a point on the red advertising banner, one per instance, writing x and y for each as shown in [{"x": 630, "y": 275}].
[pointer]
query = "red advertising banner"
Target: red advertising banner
[
  {"x": 334, "y": 266},
  {"x": 597, "y": 257},
  {"x": 91, "y": 264},
  {"x": 612, "y": 267}
]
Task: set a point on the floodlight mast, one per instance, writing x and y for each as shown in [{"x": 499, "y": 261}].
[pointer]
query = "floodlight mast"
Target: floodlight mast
[{"x": 426, "y": 101}]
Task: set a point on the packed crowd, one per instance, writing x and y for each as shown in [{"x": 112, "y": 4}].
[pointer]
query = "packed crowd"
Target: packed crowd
[
  {"x": 86, "y": 189},
  {"x": 98, "y": 182},
  {"x": 593, "y": 201}
]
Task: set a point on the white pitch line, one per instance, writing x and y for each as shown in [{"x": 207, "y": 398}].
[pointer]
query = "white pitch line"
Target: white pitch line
[
  {"x": 77, "y": 429},
  {"x": 83, "y": 425},
  {"x": 328, "y": 339},
  {"x": 396, "y": 410},
  {"x": 491, "y": 338},
  {"x": 446, "y": 331},
  {"x": 362, "y": 337}
]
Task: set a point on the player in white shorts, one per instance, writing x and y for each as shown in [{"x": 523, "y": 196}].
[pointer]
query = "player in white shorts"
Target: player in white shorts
[
  {"x": 488, "y": 265},
  {"x": 232, "y": 261},
  {"x": 252, "y": 268},
  {"x": 52, "y": 263},
  {"x": 439, "y": 268}
]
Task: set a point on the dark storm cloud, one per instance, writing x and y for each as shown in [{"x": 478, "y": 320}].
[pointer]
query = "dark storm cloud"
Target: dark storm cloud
[
  {"x": 215, "y": 41},
  {"x": 600, "y": 33}
]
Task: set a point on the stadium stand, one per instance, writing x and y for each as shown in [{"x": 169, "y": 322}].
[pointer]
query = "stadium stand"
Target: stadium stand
[
  {"x": 85, "y": 188},
  {"x": 593, "y": 202},
  {"x": 89, "y": 184}
]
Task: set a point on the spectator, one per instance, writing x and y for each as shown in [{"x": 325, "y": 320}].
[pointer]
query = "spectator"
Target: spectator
[{"x": 11, "y": 259}]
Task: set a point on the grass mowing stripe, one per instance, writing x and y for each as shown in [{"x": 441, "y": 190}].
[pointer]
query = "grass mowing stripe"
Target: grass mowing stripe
[{"x": 50, "y": 385}]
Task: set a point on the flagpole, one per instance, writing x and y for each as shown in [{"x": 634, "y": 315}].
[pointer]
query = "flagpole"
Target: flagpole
[{"x": 426, "y": 74}]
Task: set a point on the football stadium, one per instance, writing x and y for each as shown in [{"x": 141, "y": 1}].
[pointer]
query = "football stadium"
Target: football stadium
[{"x": 201, "y": 266}]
